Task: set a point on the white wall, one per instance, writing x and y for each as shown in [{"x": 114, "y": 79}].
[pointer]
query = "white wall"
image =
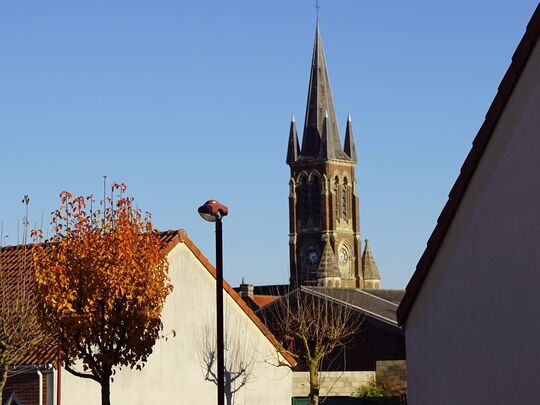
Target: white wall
[
  {"x": 472, "y": 335},
  {"x": 174, "y": 373}
]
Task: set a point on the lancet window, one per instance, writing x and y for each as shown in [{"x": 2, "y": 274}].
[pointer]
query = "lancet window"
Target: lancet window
[
  {"x": 315, "y": 200},
  {"x": 303, "y": 200},
  {"x": 336, "y": 192},
  {"x": 344, "y": 199}
]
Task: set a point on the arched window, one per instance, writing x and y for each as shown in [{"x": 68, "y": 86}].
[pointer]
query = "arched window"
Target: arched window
[
  {"x": 344, "y": 199},
  {"x": 336, "y": 191},
  {"x": 344, "y": 260},
  {"x": 315, "y": 200},
  {"x": 304, "y": 200}
]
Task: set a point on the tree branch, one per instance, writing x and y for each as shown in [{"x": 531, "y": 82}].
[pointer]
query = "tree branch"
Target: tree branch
[{"x": 82, "y": 375}]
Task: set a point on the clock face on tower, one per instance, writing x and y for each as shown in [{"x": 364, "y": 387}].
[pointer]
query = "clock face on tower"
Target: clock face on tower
[
  {"x": 313, "y": 256},
  {"x": 343, "y": 256}
]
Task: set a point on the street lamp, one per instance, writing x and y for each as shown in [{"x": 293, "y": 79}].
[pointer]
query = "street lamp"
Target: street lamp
[{"x": 213, "y": 211}]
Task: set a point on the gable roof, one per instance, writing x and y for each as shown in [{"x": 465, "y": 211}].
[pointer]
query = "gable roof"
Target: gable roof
[
  {"x": 16, "y": 258},
  {"x": 359, "y": 300},
  {"x": 394, "y": 296},
  {"x": 495, "y": 111},
  {"x": 173, "y": 238}
]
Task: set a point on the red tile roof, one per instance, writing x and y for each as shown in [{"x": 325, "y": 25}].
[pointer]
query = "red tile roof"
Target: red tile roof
[
  {"x": 15, "y": 260},
  {"x": 508, "y": 83},
  {"x": 46, "y": 353},
  {"x": 263, "y": 300}
]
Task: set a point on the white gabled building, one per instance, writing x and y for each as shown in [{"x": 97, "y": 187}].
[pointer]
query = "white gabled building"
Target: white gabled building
[
  {"x": 176, "y": 370},
  {"x": 471, "y": 312}
]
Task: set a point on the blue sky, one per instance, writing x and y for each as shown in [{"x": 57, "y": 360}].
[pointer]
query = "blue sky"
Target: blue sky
[{"x": 186, "y": 101}]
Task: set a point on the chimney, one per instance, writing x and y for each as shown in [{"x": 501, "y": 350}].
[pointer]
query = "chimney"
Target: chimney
[{"x": 246, "y": 290}]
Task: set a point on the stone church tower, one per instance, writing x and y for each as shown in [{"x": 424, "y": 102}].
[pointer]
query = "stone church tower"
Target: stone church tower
[{"x": 325, "y": 245}]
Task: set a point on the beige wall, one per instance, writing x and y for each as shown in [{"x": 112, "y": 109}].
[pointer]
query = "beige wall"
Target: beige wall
[
  {"x": 174, "y": 373},
  {"x": 472, "y": 334},
  {"x": 333, "y": 383}
]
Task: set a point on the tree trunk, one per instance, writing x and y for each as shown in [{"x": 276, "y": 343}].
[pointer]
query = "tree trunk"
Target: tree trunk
[
  {"x": 4, "y": 367},
  {"x": 314, "y": 383},
  {"x": 3, "y": 378},
  {"x": 106, "y": 388}
]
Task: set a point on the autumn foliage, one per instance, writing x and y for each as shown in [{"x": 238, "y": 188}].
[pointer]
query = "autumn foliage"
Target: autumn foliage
[{"x": 103, "y": 280}]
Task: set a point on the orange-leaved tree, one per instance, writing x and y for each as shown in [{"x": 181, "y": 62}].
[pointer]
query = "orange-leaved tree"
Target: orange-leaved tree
[{"x": 103, "y": 280}]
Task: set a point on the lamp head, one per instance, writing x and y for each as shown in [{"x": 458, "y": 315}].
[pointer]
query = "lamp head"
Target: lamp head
[{"x": 213, "y": 210}]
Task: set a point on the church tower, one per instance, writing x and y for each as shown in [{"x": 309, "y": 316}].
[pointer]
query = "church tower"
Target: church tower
[{"x": 325, "y": 246}]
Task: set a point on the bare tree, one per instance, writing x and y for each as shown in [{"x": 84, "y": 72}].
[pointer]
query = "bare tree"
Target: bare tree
[
  {"x": 20, "y": 330},
  {"x": 239, "y": 356},
  {"x": 312, "y": 328}
]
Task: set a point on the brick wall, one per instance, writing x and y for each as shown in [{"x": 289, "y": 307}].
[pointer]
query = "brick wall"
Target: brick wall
[
  {"x": 26, "y": 387},
  {"x": 393, "y": 375}
]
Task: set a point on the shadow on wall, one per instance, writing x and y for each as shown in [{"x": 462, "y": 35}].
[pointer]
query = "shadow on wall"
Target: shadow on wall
[{"x": 238, "y": 352}]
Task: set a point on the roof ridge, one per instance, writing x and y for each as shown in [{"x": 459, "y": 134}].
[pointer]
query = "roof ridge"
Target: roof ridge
[
  {"x": 182, "y": 237},
  {"x": 379, "y": 298},
  {"x": 345, "y": 303}
]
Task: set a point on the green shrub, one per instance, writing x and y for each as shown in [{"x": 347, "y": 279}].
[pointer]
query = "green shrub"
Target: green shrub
[{"x": 370, "y": 389}]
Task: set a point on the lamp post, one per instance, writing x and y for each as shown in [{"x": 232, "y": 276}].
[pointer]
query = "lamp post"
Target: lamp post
[{"x": 213, "y": 211}]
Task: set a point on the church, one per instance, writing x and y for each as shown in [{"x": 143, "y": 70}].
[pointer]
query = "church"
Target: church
[
  {"x": 325, "y": 245},
  {"x": 327, "y": 257}
]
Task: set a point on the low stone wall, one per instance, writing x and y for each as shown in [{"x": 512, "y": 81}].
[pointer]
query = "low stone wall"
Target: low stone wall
[
  {"x": 333, "y": 383},
  {"x": 393, "y": 375}
]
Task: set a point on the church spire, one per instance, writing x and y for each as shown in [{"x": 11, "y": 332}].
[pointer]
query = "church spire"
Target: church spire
[
  {"x": 350, "y": 148},
  {"x": 320, "y": 111},
  {"x": 292, "y": 151}
]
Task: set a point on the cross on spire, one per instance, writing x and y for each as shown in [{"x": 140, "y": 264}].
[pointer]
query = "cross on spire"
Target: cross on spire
[{"x": 317, "y": 8}]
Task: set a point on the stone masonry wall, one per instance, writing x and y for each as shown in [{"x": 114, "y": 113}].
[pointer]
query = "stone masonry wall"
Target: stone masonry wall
[
  {"x": 393, "y": 375},
  {"x": 333, "y": 383}
]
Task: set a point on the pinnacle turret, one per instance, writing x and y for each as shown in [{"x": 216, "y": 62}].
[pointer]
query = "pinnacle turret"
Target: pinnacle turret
[
  {"x": 328, "y": 266},
  {"x": 372, "y": 277},
  {"x": 292, "y": 151},
  {"x": 350, "y": 147}
]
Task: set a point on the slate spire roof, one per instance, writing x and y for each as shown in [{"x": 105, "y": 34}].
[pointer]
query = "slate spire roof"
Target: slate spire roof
[
  {"x": 371, "y": 271},
  {"x": 321, "y": 134}
]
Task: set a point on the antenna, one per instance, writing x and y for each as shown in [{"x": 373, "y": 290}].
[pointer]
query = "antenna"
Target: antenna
[
  {"x": 25, "y": 201},
  {"x": 104, "y": 196},
  {"x": 317, "y": 8}
]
